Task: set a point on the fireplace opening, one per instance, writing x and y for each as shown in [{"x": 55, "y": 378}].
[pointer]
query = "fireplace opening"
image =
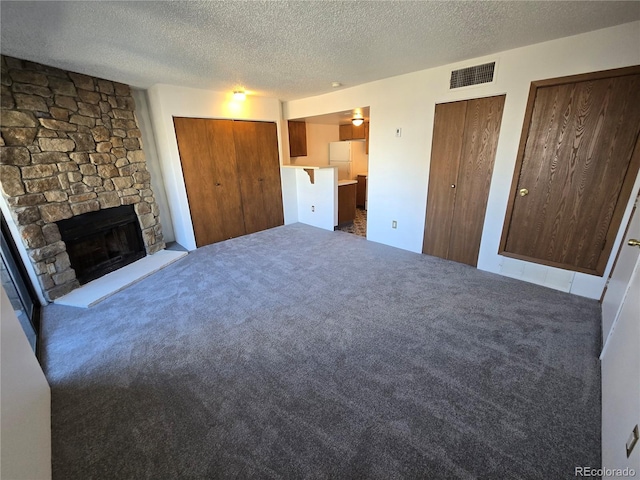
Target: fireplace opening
[{"x": 103, "y": 241}]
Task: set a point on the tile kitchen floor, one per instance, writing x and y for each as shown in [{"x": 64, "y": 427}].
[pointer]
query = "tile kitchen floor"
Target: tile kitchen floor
[{"x": 359, "y": 225}]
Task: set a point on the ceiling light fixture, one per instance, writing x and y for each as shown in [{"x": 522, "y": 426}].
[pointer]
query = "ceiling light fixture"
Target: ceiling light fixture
[
  {"x": 357, "y": 121},
  {"x": 239, "y": 95},
  {"x": 336, "y": 84}
]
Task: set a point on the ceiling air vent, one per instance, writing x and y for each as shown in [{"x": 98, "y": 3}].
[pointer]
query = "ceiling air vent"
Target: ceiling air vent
[{"x": 472, "y": 75}]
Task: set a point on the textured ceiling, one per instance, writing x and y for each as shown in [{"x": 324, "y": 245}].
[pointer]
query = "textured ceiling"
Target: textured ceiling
[{"x": 283, "y": 49}]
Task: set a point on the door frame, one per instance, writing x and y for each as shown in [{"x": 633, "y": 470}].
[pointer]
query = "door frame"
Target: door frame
[{"x": 625, "y": 190}]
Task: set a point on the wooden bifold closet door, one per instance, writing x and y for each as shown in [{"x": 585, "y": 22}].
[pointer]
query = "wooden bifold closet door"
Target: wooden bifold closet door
[
  {"x": 259, "y": 174},
  {"x": 232, "y": 176},
  {"x": 578, "y": 159},
  {"x": 465, "y": 137}
]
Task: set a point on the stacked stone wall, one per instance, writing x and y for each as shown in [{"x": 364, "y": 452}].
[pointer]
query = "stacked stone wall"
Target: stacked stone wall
[{"x": 70, "y": 144}]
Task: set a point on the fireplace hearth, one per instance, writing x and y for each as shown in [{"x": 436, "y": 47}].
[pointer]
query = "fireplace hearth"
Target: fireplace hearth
[{"x": 103, "y": 241}]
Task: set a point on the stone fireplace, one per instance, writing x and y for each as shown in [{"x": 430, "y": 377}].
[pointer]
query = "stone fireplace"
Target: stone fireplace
[{"x": 71, "y": 156}]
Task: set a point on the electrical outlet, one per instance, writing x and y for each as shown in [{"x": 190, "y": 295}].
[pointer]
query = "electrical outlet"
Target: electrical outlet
[
  {"x": 398, "y": 132},
  {"x": 313, "y": 208},
  {"x": 394, "y": 224}
]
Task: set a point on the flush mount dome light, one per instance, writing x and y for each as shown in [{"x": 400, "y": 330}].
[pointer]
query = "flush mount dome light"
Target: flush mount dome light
[
  {"x": 239, "y": 95},
  {"x": 357, "y": 121}
]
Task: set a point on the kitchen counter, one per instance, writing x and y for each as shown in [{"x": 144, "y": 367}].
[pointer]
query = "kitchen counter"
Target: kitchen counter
[
  {"x": 342, "y": 183},
  {"x": 309, "y": 167}
]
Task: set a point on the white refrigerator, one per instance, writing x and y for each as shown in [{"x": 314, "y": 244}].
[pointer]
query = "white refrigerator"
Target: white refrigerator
[{"x": 349, "y": 157}]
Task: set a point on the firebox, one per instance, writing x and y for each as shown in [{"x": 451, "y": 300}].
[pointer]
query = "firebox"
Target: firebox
[{"x": 103, "y": 241}]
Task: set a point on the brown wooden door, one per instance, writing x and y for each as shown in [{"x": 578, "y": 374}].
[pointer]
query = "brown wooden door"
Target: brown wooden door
[
  {"x": 481, "y": 132},
  {"x": 207, "y": 154},
  {"x": 575, "y": 170},
  {"x": 256, "y": 146},
  {"x": 465, "y": 136},
  {"x": 446, "y": 148}
]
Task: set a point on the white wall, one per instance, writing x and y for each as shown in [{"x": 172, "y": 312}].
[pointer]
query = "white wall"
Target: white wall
[
  {"x": 399, "y": 167},
  {"x": 153, "y": 163},
  {"x": 621, "y": 382},
  {"x": 25, "y": 404},
  {"x": 318, "y": 138},
  {"x": 317, "y": 203},
  {"x": 289, "y": 195},
  {"x": 167, "y": 101},
  {"x": 360, "y": 158},
  {"x": 617, "y": 288}
]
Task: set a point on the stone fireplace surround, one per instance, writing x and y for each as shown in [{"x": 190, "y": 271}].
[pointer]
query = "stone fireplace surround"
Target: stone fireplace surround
[{"x": 70, "y": 144}]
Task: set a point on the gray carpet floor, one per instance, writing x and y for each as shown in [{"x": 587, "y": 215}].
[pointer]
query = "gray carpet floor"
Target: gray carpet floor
[{"x": 299, "y": 353}]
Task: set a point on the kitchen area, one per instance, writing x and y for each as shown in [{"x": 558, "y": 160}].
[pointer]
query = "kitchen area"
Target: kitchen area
[{"x": 337, "y": 145}]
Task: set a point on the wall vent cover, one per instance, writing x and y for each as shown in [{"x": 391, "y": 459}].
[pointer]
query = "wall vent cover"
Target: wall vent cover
[{"x": 472, "y": 75}]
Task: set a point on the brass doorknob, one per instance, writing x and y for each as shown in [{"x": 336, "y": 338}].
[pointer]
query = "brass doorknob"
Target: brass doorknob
[
  {"x": 633, "y": 242},
  {"x": 524, "y": 192}
]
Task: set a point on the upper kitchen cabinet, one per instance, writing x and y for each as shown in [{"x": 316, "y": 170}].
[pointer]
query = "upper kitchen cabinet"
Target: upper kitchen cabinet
[
  {"x": 366, "y": 137},
  {"x": 297, "y": 138},
  {"x": 351, "y": 132}
]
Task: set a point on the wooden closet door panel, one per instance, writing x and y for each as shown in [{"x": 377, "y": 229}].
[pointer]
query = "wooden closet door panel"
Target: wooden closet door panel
[
  {"x": 256, "y": 146},
  {"x": 576, "y": 161},
  {"x": 448, "y": 129},
  {"x": 207, "y": 155},
  {"x": 481, "y": 133}
]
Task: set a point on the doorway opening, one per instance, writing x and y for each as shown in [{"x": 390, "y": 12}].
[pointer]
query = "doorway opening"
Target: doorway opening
[
  {"x": 359, "y": 224},
  {"x": 340, "y": 140}
]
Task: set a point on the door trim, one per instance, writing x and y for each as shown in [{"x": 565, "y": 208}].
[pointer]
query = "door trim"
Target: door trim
[{"x": 625, "y": 189}]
